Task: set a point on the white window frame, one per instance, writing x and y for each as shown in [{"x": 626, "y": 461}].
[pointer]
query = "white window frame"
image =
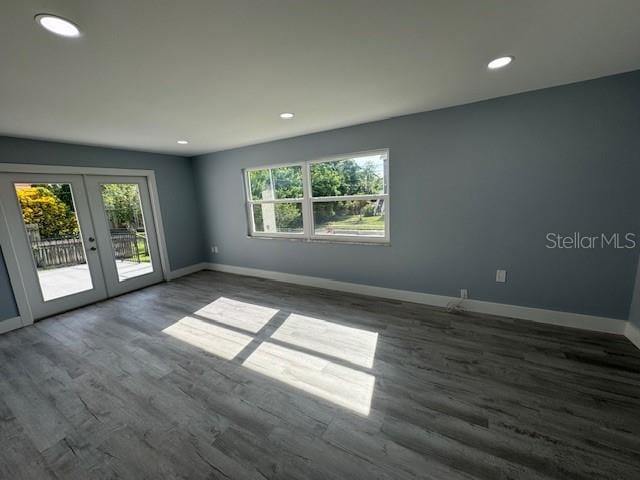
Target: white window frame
[{"x": 307, "y": 201}]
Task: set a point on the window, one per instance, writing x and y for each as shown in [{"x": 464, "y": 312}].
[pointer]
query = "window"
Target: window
[{"x": 344, "y": 198}]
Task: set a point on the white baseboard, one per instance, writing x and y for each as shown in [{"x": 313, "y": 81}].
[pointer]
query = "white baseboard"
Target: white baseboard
[
  {"x": 632, "y": 332},
  {"x": 181, "y": 272},
  {"x": 565, "y": 319},
  {"x": 10, "y": 324}
]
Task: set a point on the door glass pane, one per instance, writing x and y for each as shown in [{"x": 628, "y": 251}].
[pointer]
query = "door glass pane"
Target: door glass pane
[
  {"x": 53, "y": 231},
  {"x": 363, "y": 218},
  {"x": 129, "y": 239}
]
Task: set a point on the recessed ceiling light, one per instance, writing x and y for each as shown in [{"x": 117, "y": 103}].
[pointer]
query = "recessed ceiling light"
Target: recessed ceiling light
[
  {"x": 182, "y": 142},
  {"x": 286, "y": 116},
  {"x": 57, "y": 25},
  {"x": 500, "y": 62}
]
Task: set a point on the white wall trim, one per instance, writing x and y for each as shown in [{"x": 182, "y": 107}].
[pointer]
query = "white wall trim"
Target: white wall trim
[
  {"x": 9, "y": 324},
  {"x": 14, "y": 271},
  {"x": 73, "y": 170},
  {"x": 632, "y": 332},
  {"x": 552, "y": 317},
  {"x": 157, "y": 217},
  {"x": 181, "y": 272}
]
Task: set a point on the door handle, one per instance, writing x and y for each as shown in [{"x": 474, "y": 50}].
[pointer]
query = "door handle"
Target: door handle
[
  {"x": 93, "y": 249},
  {"x": 91, "y": 239}
]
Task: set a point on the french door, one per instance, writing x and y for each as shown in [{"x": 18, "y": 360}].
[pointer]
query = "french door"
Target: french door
[
  {"x": 79, "y": 239},
  {"x": 130, "y": 256}
]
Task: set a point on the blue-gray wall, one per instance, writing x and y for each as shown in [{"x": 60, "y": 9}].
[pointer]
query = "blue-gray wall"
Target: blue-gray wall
[
  {"x": 473, "y": 188},
  {"x": 174, "y": 177}
]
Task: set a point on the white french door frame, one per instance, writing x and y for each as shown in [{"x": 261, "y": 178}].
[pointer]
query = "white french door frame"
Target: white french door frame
[
  {"x": 114, "y": 284},
  {"x": 92, "y": 287},
  {"x": 9, "y": 251}
]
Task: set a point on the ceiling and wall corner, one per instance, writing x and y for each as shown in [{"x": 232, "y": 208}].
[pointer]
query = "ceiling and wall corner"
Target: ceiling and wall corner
[{"x": 218, "y": 73}]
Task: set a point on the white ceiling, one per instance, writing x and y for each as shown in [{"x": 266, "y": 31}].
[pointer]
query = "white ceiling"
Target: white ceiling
[{"x": 218, "y": 72}]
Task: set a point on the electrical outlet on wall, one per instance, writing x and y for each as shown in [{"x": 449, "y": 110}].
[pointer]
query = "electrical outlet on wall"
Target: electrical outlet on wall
[
  {"x": 501, "y": 276},
  {"x": 214, "y": 249},
  {"x": 464, "y": 293}
]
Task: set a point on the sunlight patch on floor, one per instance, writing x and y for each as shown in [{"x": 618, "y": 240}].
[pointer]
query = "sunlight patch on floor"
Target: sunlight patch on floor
[
  {"x": 353, "y": 345},
  {"x": 320, "y": 357},
  {"x": 242, "y": 315},
  {"x": 211, "y": 338},
  {"x": 330, "y": 381}
]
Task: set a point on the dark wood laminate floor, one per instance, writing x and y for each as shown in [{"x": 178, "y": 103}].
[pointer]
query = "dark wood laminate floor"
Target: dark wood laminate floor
[{"x": 221, "y": 376}]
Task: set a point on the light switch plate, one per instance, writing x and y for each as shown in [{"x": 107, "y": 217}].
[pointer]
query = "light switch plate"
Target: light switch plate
[{"x": 501, "y": 276}]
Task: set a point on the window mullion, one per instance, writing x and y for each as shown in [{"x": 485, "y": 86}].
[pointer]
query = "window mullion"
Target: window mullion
[
  {"x": 279, "y": 200},
  {"x": 346, "y": 198},
  {"x": 307, "y": 213},
  {"x": 249, "y": 197}
]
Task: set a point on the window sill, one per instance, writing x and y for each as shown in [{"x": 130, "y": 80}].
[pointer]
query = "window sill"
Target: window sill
[{"x": 322, "y": 240}]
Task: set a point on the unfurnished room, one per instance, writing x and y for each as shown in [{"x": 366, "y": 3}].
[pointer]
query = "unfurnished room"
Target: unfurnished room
[{"x": 320, "y": 239}]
